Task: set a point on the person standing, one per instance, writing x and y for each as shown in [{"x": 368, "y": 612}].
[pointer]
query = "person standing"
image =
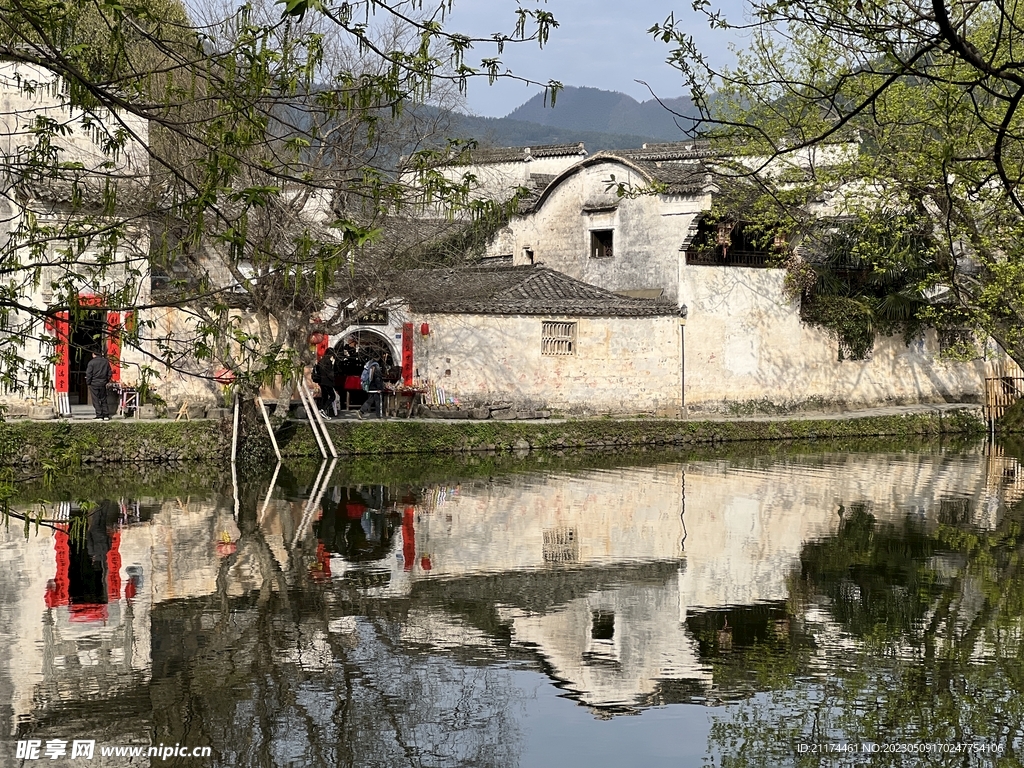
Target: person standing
[
  {"x": 373, "y": 384},
  {"x": 325, "y": 378},
  {"x": 98, "y": 374}
]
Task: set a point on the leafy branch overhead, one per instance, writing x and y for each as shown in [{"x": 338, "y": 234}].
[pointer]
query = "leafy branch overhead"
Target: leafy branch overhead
[
  {"x": 266, "y": 158},
  {"x": 854, "y": 111}
]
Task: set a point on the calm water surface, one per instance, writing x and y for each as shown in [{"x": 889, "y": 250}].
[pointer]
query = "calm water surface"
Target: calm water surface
[{"x": 650, "y": 610}]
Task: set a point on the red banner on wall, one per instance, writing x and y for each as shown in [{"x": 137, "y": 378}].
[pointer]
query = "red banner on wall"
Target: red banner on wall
[
  {"x": 114, "y": 344},
  {"x": 60, "y": 369},
  {"x": 407, "y": 354}
]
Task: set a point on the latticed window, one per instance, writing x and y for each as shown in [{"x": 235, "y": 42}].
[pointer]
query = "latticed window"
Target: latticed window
[
  {"x": 561, "y": 545},
  {"x": 558, "y": 339}
]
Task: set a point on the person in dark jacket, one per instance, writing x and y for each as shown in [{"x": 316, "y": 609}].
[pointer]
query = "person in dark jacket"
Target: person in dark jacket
[
  {"x": 97, "y": 375},
  {"x": 325, "y": 378}
]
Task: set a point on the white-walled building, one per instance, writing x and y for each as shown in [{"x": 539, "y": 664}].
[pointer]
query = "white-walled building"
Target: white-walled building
[
  {"x": 69, "y": 191},
  {"x": 630, "y": 222}
]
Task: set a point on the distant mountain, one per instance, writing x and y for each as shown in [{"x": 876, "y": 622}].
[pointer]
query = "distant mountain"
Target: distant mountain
[
  {"x": 600, "y": 119},
  {"x": 506, "y": 132},
  {"x": 609, "y": 112}
]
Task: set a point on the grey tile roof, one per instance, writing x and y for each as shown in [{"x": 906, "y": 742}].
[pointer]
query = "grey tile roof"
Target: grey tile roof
[
  {"x": 675, "y": 150},
  {"x": 491, "y": 155},
  {"x": 524, "y": 290},
  {"x": 679, "y": 178}
]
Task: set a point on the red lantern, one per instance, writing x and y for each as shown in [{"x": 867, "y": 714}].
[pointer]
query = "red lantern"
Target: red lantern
[
  {"x": 224, "y": 376},
  {"x": 425, "y": 329}
]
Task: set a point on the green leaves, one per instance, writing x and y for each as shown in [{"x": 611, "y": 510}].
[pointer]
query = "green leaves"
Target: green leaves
[{"x": 299, "y": 8}]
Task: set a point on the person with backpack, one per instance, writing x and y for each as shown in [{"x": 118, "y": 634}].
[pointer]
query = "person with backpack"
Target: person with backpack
[
  {"x": 323, "y": 375},
  {"x": 372, "y": 381}
]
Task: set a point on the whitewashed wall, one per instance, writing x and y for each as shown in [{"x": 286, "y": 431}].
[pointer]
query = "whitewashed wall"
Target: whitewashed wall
[
  {"x": 746, "y": 347},
  {"x": 648, "y": 231},
  {"x": 622, "y": 365}
]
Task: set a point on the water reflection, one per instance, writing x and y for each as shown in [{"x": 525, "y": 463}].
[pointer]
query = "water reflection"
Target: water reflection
[{"x": 380, "y": 623}]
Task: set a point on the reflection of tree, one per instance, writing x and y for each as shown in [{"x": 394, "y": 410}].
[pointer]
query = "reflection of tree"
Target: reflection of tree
[
  {"x": 293, "y": 672},
  {"x": 877, "y": 578},
  {"x": 918, "y": 638}
]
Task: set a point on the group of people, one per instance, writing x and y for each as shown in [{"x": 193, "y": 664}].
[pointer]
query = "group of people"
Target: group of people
[{"x": 333, "y": 366}]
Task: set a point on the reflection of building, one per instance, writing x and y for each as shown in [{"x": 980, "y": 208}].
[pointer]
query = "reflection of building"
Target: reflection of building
[
  {"x": 77, "y": 608},
  {"x": 557, "y": 563},
  {"x": 582, "y": 576}
]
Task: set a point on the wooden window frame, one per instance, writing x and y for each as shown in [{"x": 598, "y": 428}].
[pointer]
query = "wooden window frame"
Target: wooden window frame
[{"x": 602, "y": 243}]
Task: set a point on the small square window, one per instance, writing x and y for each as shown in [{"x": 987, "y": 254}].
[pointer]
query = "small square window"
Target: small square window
[
  {"x": 558, "y": 339},
  {"x": 601, "y": 243},
  {"x": 602, "y": 625}
]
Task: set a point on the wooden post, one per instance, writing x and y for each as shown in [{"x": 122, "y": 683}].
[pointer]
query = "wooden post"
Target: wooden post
[
  {"x": 234, "y": 434},
  {"x": 270, "y": 429},
  {"x": 322, "y": 423},
  {"x": 312, "y": 414}
]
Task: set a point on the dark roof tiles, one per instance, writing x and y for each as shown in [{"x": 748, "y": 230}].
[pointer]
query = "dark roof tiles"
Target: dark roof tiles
[
  {"x": 493, "y": 155},
  {"x": 523, "y": 290}
]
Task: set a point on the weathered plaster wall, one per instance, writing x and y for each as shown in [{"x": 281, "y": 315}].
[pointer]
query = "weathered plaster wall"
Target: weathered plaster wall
[
  {"x": 648, "y": 231},
  {"x": 622, "y": 365},
  {"x": 746, "y": 347},
  {"x": 28, "y": 91},
  {"x": 498, "y": 181}
]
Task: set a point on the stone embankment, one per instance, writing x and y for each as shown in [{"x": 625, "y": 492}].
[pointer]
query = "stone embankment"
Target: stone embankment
[{"x": 62, "y": 443}]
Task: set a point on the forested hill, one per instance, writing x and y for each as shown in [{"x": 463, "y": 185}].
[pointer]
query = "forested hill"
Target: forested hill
[
  {"x": 506, "y": 132},
  {"x": 601, "y": 119},
  {"x": 609, "y": 112}
]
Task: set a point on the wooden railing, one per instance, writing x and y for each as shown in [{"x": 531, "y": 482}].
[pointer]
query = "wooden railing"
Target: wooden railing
[
  {"x": 733, "y": 258},
  {"x": 1005, "y": 476},
  {"x": 1004, "y": 386}
]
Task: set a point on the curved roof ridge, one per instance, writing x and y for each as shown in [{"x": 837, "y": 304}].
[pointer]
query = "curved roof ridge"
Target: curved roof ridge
[{"x": 595, "y": 159}]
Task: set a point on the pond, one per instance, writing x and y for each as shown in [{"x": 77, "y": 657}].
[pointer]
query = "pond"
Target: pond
[{"x": 754, "y": 605}]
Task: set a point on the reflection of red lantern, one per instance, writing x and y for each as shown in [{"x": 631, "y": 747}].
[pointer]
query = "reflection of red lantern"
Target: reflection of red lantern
[
  {"x": 316, "y": 339},
  {"x": 224, "y": 376},
  {"x": 225, "y": 548}
]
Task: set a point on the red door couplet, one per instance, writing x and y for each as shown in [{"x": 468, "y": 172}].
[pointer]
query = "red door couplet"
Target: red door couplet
[
  {"x": 60, "y": 371},
  {"x": 407, "y": 354},
  {"x": 114, "y": 344}
]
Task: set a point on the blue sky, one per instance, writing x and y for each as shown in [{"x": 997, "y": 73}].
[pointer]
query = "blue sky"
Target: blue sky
[{"x": 599, "y": 43}]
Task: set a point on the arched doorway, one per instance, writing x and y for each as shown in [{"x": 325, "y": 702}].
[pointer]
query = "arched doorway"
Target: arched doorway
[{"x": 353, "y": 350}]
